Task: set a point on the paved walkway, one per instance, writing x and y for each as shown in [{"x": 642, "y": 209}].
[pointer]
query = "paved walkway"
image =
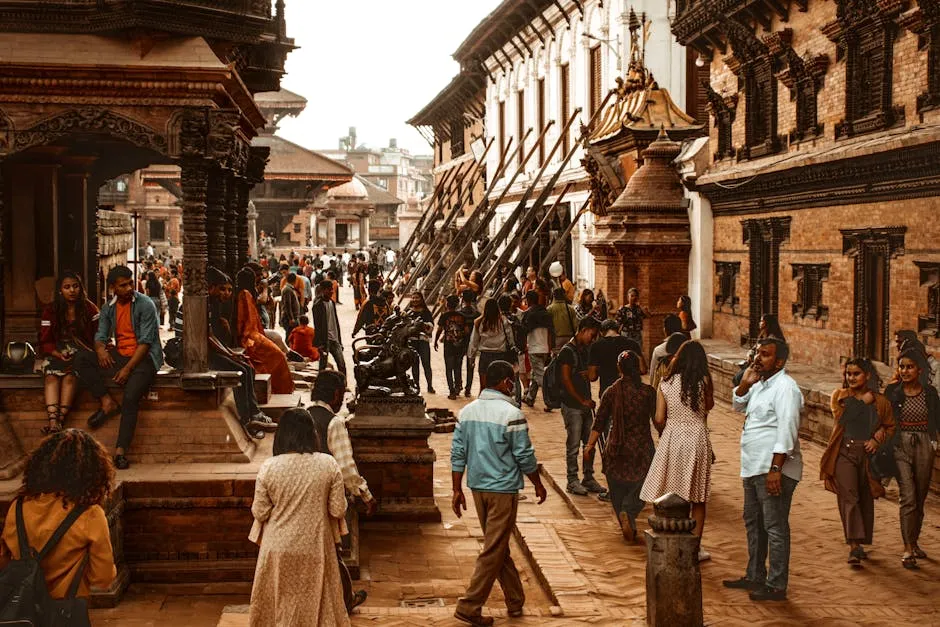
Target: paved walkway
[{"x": 576, "y": 565}]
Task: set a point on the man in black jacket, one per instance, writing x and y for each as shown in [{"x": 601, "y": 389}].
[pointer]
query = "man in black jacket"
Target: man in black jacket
[
  {"x": 328, "y": 337},
  {"x": 375, "y": 311},
  {"x": 540, "y": 338}
]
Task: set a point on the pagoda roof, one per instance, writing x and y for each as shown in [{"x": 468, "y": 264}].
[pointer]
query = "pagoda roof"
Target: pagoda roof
[
  {"x": 642, "y": 107},
  {"x": 378, "y": 195},
  {"x": 281, "y": 99},
  {"x": 292, "y": 162}
]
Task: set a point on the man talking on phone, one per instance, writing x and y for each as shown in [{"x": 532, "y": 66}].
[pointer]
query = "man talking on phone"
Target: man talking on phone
[{"x": 771, "y": 466}]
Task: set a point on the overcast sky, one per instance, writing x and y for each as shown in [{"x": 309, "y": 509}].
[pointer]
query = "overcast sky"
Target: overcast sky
[{"x": 372, "y": 64}]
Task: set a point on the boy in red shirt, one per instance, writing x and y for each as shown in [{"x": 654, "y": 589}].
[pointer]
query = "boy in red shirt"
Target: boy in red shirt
[{"x": 301, "y": 339}]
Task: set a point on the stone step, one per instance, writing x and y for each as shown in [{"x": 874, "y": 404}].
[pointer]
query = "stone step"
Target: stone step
[
  {"x": 279, "y": 403},
  {"x": 262, "y": 388}
]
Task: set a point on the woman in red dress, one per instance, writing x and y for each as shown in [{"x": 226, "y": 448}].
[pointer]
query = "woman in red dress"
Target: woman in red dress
[{"x": 264, "y": 354}]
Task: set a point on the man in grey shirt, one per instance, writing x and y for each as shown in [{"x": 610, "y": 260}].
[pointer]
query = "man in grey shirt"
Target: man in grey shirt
[
  {"x": 328, "y": 338},
  {"x": 671, "y": 324}
]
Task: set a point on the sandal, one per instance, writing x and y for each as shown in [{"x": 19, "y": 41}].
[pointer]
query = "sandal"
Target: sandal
[
  {"x": 919, "y": 553},
  {"x": 55, "y": 424},
  {"x": 908, "y": 561},
  {"x": 358, "y": 599}
]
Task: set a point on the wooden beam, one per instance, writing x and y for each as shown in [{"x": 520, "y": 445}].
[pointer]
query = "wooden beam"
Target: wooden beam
[{"x": 568, "y": 17}]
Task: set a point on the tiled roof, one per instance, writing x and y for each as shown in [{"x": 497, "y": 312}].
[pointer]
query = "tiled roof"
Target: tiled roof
[
  {"x": 292, "y": 162},
  {"x": 377, "y": 195}
]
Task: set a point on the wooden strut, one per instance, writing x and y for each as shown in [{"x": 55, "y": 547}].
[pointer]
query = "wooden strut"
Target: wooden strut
[
  {"x": 405, "y": 252},
  {"x": 463, "y": 195},
  {"x": 486, "y": 213},
  {"x": 556, "y": 247},
  {"x": 432, "y": 213}
]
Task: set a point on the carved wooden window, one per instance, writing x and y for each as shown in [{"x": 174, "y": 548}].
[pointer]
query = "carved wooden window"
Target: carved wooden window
[
  {"x": 595, "y": 74},
  {"x": 540, "y": 112},
  {"x": 564, "y": 77},
  {"x": 456, "y": 138},
  {"x": 724, "y": 117},
  {"x": 760, "y": 93},
  {"x": 809, "y": 279},
  {"x": 727, "y": 273},
  {"x": 930, "y": 279},
  {"x": 520, "y": 123}
]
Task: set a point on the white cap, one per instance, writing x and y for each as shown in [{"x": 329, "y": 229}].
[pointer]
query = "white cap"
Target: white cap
[{"x": 555, "y": 269}]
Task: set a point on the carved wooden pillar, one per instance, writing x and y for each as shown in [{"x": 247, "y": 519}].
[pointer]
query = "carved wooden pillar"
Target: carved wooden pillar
[
  {"x": 195, "y": 181},
  {"x": 215, "y": 218},
  {"x": 232, "y": 258},
  {"x": 242, "y": 229},
  {"x": 3, "y": 259}
]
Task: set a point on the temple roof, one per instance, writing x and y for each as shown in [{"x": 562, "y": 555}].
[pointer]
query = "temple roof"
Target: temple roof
[
  {"x": 499, "y": 29},
  {"x": 292, "y": 162},
  {"x": 461, "y": 94},
  {"x": 282, "y": 99},
  {"x": 641, "y": 107},
  {"x": 378, "y": 195}
]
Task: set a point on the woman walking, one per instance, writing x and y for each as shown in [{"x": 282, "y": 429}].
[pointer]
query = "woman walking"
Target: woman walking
[
  {"x": 299, "y": 510},
  {"x": 864, "y": 420},
  {"x": 491, "y": 338},
  {"x": 67, "y": 478},
  {"x": 67, "y": 326},
  {"x": 683, "y": 461},
  {"x": 917, "y": 412},
  {"x": 156, "y": 294},
  {"x": 625, "y": 412}
]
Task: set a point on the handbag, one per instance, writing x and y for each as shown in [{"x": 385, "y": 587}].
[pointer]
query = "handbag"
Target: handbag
[{"x": 882, "y": 463}]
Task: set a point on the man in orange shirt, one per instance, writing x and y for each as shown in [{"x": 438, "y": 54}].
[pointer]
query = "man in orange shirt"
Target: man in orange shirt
[
  {"x": 301, "y": 339},
  {"x": 129, "y": 320}
]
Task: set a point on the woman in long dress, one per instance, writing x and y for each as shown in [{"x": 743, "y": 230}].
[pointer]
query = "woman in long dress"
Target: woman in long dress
[
  {"x": 683, "y": 460},
  {"x": 299, "y": 510},
  {"x": 262, "y": 352}
]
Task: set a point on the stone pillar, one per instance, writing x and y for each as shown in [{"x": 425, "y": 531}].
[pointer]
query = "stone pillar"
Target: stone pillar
[
  {"x": 331, "y": 231},
  {"x": 252, "y": 218},
  {"x": 231, "y": 226},
  {"x": 673, "y": 577},
  {"x": 194, "y": 181},
  {"x": 364, "y": 230},
  {"x": 215, "y": 218}
]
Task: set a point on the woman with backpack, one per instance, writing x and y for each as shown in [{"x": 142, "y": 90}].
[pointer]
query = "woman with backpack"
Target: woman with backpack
[
  {"x": 67, "y": 478},
  {"x": 491, "y": 338}
]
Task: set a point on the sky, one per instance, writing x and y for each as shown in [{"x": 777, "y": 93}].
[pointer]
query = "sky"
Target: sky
[{"x": 372, "y": 64}]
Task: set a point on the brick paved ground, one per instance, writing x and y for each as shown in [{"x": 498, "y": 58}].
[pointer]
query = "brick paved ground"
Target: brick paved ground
[{"x": 576, "y": 562}]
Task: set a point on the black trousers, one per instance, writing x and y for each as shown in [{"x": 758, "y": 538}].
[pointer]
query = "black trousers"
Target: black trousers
[
  {"x": 423, "y": 348},
  {"x": 334, "y": 349},
  {"x": 245, "y": 399},
  {"x": 95, "y": 379},
  {"x": 453, "y": 366}
]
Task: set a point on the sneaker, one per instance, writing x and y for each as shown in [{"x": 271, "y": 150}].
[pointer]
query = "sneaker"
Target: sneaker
[
  {"x": 704, "y": 556},
  {"x": 766, "y": 593},
  {"x": 742, "y": 584},
  {"x": 261, "y": 422},
  {"x": 575, "y": 487},
  {"x": 604, "y": 497},
  {"x": 593, "y": 486},
  {"x": 476, "y": 621}
]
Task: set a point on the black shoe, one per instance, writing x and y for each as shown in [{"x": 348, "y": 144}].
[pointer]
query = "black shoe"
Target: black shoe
[
  {"x": 100, "y": 417},
  {"x": 742, "y": 584},
  {"x": 766, "y": 593},
  {"x": 121, "y": 463},
  {"x": 466, "y": 392},
  {"x": 431, "y": 391}
]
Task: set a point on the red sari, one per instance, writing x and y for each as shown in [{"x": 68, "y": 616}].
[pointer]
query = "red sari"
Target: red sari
[{"x": 263, "y": 354}]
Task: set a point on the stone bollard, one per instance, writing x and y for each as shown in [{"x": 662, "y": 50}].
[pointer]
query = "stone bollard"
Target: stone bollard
[{"x": 673, "y": 577}]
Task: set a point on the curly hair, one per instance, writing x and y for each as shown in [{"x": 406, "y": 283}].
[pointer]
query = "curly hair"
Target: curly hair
[
  {"x": 70, "y": 464},
  {"x": 865, "y": 365},
  {"x": 691, "y": 365},
  {"x": 61, "y": 307}
]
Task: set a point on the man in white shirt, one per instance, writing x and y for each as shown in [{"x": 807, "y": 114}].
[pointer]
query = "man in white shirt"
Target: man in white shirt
[
  {"x": 771, "y": 467},
  {"x": 389, "y": 259}
]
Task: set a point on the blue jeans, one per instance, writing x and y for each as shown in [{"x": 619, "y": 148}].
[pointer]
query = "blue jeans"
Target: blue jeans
[
  {"x": 767, "y": 521},
  {"x": 578, "y": 423}
]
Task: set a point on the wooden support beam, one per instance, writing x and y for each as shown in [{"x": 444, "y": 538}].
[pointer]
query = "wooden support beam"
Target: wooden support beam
[
  {"x": 556, "y": 247},
  {"x": 563, "y": 12}
]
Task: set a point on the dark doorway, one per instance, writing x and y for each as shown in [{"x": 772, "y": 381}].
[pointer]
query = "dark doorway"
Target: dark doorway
[
  {"x": 342, "y": 234},
  {"x": 157, "y": 230},
  {"x": 872, "y": 250}
]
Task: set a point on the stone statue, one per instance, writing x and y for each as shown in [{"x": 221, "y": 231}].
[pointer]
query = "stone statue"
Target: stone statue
[{"x": 383, "y": 360}]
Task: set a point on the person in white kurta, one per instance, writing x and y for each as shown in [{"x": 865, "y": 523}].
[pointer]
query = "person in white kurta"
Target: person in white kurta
[{"x": 299, "y": 506}]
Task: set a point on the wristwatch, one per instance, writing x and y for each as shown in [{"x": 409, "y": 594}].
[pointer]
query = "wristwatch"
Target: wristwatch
[{"x": 775, "y": 468}]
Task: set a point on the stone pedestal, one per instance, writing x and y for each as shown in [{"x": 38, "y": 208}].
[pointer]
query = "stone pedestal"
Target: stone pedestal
[
  {"x": 673, "y": 577},
  {"x": 390, "y": 439}
]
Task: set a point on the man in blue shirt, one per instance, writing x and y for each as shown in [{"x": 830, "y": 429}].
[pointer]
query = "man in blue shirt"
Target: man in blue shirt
[
  {"x": 127, "y": 352},
  {"x": 491, "y": 443},
  {"x": 771, "y": 467}
]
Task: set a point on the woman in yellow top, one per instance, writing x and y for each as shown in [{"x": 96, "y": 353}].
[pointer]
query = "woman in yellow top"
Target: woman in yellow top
[{"x": 69, "y": 469}]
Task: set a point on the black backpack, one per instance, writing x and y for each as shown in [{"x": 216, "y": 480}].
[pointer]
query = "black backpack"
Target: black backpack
[
  {"x": 24, "y": 597},
  {"x": 551, "y": 379}
]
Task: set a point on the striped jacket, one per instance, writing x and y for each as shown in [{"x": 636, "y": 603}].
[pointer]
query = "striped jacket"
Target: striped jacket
[{"x": 491, "y": 444}]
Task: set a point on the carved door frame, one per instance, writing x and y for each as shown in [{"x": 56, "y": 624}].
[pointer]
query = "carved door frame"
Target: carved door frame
[
  {"x": 868, "y": 246},
  {"x": 764, "y": 237}
]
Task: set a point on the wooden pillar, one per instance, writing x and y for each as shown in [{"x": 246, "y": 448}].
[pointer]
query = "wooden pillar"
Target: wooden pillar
[
  {"x": 194, "y": 181},
  {"x": 243, "y": 230},
  {"x": 215, "y": 218},
  {"x": 232, "y": 257},
  {"x": 3, "y": 255}
]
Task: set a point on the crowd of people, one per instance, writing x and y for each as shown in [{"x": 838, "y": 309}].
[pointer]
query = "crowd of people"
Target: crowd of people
[{"x": 522, "y": 335}]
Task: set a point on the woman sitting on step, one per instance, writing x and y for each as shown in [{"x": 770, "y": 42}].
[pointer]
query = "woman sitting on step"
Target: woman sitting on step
[
  {"x": 68, "y": 324},
  {"x": 264, "y": 355}
]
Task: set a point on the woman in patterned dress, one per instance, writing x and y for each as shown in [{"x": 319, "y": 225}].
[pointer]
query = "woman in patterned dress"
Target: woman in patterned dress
[
  {"x": 683, "y": 461},
  {"x": 299, "y": 510}
]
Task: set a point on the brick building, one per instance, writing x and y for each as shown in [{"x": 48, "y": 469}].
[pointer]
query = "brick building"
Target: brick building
[{"x": 821, "y": 175}]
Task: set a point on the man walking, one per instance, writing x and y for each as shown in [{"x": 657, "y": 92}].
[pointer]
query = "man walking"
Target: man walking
[
  {"x": 564, "y": 317},
  {"x": 577, "y": 407},
  {"x": 491, "y": 443},
  {"x": 326, "y": 325},
  {"x": 129, "y": 319},
  {"x": 540, "y": 340},
  {"x": 771, "y": 466}
]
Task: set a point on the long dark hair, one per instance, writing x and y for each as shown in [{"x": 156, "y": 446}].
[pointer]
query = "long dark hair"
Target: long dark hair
[
  {"x": 72, "y": 465},
  {"x": 773, "y": 327},
  {"x": 491, "y": 319},
  {"x": 153, "y": 285},
  {"x": 691, "y": 364},
  {"x": 685, "y": 304},
  {"x": 60, "y": 306},
  {"x": 584, "y": 293},
  {"x": 865, "y": 365},
  {"x": 629, "y": 365},
  {"x": 296, "y": 433}
]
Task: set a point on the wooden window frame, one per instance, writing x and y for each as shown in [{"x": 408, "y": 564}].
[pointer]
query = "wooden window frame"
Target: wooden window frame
[
  {"x": 727, "y": 273},
  {"x": 809, "y": 279},
  {"x": 595, "y": 71},
  {"x": 564, "y": 79},
  {"x": 929, "y": 324},
  {"x": 520, "y": 123}
]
